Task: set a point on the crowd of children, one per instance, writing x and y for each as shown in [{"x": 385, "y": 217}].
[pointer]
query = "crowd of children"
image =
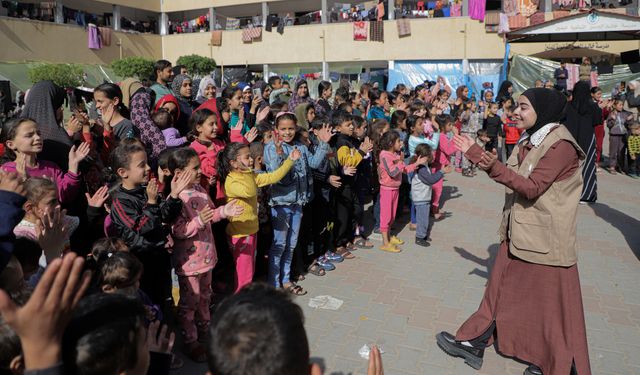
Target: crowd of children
[{"x": 231, "y": 189}]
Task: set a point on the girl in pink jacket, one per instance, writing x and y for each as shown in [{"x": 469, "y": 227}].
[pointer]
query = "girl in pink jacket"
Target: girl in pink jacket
[
  {"x": 194, "y": 252},
  {"x": 441, "y": 161},
  {"x": 391, "y": 166}
]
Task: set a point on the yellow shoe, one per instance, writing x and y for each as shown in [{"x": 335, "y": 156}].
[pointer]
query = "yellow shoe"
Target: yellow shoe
[
  {"x": 391, "y": 248},
  {"x": 396, "y": 241}
]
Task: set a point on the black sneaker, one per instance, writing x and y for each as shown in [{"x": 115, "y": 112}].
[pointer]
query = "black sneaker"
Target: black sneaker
[
  {"x": 422, "y": 242},
  {"x": 472, "y": 356},
  {"x": 532, "y": 370}
]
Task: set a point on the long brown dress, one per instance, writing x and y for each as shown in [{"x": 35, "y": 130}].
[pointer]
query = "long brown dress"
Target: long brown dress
[{"x": 537, "y": 308}]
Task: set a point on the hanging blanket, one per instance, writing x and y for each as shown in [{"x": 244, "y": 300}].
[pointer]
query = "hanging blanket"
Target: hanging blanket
[
  {"x": 216, "y": 38},
  {"x": 360, "y": 31},
  {"x": 376, "y": 30},
  {"x": 477, "y": 9},
  {"x": 233, "y": 23},
  {"x": 517, "y": 22},
  {"x": 93, "y": 37},
  {"x": 510, "y": 7},
  {"x": 504, "y": 24},
  {"x": 105, "y": 36},
  {"x": 536, "y": 19},
  {"x": 404, "y": 27},
  {"x": 492, "y": 18},
  {"x": 246, "y": 35}
]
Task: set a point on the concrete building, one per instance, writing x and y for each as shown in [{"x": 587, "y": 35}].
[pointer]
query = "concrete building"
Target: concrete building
[{"x": 323, "y": 44}]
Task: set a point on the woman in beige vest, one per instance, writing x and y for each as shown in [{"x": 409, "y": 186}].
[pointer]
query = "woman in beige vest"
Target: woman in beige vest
[{"x": 532, "y": 304}]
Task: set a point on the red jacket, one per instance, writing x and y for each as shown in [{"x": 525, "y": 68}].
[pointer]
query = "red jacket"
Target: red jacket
[{"x": 511, "y": 132}]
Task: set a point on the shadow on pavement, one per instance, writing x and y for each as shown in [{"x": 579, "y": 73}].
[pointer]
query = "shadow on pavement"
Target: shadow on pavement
[
  {"x": 486, "y": 263},
  {"x": 627, "y": 225}
]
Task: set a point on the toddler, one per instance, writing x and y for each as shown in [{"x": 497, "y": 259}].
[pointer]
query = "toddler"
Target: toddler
[{"x": 164, "y": 120}]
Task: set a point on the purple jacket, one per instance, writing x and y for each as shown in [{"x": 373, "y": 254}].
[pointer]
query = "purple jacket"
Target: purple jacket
[{"x": 68, "y": 183}]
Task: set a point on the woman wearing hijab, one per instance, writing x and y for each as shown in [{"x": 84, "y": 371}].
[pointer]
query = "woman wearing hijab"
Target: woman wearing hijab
[
  {"x": 505, "y": 91},
  {"x": 44, "y": 106},
  {"x": 138, "y": 100},
  {"x": 583, "y": 115},
  {"x": 206, "y": 90},
  {"x": 300, "y": 95},
  {"x": 532, "y": 304},
  {"x": 182, "y": 90}
]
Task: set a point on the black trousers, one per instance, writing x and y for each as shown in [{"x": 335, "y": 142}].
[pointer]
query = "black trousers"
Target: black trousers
[{"x": 344, "y": 219}]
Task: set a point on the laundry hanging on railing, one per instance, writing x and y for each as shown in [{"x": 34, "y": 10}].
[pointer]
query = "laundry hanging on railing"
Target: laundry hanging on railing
[
  {"x": 404, "y": 27},
  {"x": 376, "y": 30},
  {"x": 93, "y": 37},
  {"x": 233, "y": 23},
  {"x": 360, "y": 31},
  {"x": 216, "y": 38}
]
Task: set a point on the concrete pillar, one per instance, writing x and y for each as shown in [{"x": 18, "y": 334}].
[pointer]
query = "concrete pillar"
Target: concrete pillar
[
  {"x": 212, "y": 19},
  {"x": 265, "y": 72},
  {"x": 116, "y": 17},
  {"x": 265, "y": 12},
  {"x": 465, "y": 8},
  {"x": 59, "y": 16},
  {"x": 324, "y": 12},
  {"x": 325, "y": 70},
  {"x": 548, "y": 6},
  {"x": 391, "y": 9},
  {"x": 163, "y": 22}
]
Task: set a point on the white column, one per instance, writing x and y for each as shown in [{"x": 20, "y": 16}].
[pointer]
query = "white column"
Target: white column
[
  {"x": 265, "y": 12},
  {"x": 163, "y": 22},
  {"x": 325, "y": 70},
  {"x": 392, "y": 9},
  {"x": 265, "y": 72},
  {"x": 59, "y": 16},
  {"x": 325, "y": 12},
  {"x": 212, "y": 19},
  {"x": 116, "y": 17},
  {"x": 548, "y": 6},
  {"x": 465, "y": 8}
]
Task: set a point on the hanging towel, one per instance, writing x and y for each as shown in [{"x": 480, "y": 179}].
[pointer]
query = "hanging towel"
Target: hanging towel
[
  {"x": 246, "y": 35},
  {"x": 255, "y": 32},
  {"x": 272, "y": 20},
  {"x": 560, "y": 14},
  {"x": 216, "y": 38},
  {"x": 528, "y": 7},
  {"x": 456, "y": 9},
  {"x": 105, "y": 36},
  {"x": 93, "y": 37},
  {"x": 404, "y": 27},
  {"x": 233, "y": 23},
  {"x": 376, "y": 30},
  {"x": 492, "y": 18},
  {"x": 536, "y": 18},
  {"x": 360, "y": 31},
  {"x": 280, "y": 28},
  {"x": 477, "y": 9},
  {"x": 504, "y": 24},
  {"x": 510, "y": 7},
  {"x": 517, "y": 22}
]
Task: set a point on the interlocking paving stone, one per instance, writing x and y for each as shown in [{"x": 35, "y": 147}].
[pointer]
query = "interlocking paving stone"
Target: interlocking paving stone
[{"x": 402, "y": 300}]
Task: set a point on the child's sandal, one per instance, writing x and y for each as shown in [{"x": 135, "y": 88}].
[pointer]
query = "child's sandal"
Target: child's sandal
[
  {"x": 296, "y": 290},
  {"x": 362, "y": 243},
  {"x": 346, "y": 254}
]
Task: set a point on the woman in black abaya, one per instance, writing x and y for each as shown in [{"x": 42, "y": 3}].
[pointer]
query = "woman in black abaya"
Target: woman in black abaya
[{"x": 582, "y": 116}]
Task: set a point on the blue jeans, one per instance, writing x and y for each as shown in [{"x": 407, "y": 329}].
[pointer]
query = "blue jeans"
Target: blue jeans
[
  {"x": 376, "y": 210},
  {"x": 286, "y": 226},
  {"x": 422, "y": 219}
]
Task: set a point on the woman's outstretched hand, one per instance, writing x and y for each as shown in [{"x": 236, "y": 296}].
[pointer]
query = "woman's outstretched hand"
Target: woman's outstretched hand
[
  {"x": 488, "y": 160},
  {"x": 463, "y": 142}
]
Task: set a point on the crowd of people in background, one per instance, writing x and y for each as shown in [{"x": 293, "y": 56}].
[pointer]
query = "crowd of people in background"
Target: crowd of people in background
[{"x": 224, "y": 186}]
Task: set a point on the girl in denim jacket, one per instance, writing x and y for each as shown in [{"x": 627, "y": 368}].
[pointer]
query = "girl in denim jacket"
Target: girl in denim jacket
[{"x": 289, "y": 195}]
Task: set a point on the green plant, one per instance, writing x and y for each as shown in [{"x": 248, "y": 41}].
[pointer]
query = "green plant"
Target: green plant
[
  {"x": 63, "y": 75},
  {"x": 197, "y": 65},
  {"x": 134, "y": 66}
]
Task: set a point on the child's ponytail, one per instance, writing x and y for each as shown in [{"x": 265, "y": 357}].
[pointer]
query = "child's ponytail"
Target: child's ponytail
[{"x": 225, "y": 157}]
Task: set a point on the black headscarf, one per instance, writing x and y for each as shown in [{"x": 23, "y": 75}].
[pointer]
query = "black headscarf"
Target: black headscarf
[
  {"x": 549, "y": 105},
  {"x": 45, "y": 97},
  {"x": 503, "y": 92},
  {"x": 581, "y": 99}
]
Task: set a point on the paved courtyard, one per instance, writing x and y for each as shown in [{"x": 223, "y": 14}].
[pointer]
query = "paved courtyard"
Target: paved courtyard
[{"x": 401, "y": 301}]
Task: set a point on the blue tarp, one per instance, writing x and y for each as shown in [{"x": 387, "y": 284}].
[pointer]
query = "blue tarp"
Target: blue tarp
[{"x": 413, "y": 73}]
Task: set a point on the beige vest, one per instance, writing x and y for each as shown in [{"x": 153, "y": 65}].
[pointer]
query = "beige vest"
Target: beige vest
[{"x": 543, "y": 230}]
